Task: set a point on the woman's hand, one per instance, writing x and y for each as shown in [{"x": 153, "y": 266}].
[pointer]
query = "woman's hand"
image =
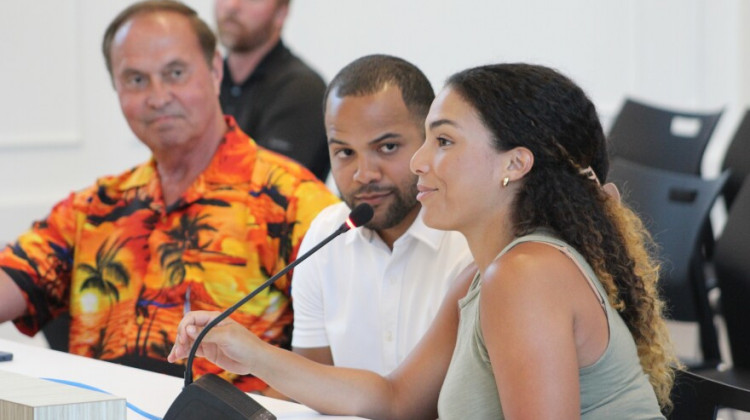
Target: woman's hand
[{"x": 228, "y": 344}]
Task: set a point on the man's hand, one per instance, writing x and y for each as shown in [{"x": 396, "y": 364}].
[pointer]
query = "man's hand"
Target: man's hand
[{"x": 12, "y": 302}]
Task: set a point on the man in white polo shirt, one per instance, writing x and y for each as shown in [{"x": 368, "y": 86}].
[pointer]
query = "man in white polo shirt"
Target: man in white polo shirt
[{"x": 366, "y": 299}]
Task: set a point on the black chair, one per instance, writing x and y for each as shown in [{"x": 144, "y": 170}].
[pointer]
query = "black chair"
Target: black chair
[
  {"x": 675, "y": 209},
  {"x": 732, "y": 267},
  {"x": 699, "y": 397},
  {"x": 57, "y": 333},
  {"x": 660, "y": 137},
  {"x": 737, "y": 159}
]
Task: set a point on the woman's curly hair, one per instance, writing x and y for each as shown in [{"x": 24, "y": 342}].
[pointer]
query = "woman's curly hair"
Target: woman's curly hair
[{"x": 537, "y": 108}]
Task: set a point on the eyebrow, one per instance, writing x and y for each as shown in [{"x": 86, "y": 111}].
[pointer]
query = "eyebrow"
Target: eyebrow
[
  {"x": 437, "y": 123},
  {"x": 176, "y": 63},
  {"x": 128, "y": 72},
  {"x": 382, "y": 138},
  {"x": 172, "y": 64}
]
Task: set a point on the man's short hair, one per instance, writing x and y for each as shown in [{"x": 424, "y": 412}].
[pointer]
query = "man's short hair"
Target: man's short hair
[
  {"x": 371, "y": 73},
  {"x": 204, "y": 34}
]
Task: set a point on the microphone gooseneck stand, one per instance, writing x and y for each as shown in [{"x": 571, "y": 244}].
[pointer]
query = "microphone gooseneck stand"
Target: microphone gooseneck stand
[{"x": 212, "y": 397}]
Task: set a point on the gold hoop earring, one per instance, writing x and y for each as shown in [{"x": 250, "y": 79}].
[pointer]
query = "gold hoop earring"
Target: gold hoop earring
[{"x": 506, "y": 180}]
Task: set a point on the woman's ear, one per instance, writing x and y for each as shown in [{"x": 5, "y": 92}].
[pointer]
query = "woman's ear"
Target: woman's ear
[{"x": 519, "y": 163}]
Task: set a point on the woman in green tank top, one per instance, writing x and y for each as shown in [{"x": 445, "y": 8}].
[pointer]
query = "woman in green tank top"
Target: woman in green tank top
[{"x": 560, "y": 318}]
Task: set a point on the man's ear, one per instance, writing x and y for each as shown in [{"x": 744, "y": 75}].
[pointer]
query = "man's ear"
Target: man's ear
[
  {"x": 280, "y": 16},
  {"x": 217, "y": 70},
  {"x": 519, "y": 163}
]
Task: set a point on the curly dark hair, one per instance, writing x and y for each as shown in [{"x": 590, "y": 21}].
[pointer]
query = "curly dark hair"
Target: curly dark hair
[{"x": 535, "y": 107}]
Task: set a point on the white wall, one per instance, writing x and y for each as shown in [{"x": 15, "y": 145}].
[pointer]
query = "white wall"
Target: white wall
[{"x": 60, "y": 124}]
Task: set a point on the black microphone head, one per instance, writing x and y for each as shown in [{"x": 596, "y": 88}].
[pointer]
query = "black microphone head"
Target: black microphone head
[{"x": 360, "y": 215}]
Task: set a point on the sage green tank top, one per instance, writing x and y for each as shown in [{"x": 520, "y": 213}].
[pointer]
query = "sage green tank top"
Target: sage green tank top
[{"x": 614, "y": 387}]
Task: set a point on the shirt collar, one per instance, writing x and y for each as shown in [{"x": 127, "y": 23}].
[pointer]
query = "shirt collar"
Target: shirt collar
[
  {"x": 233, "y": 163},
  {"x": 418, "y": 230},
  {"x": 266, "y": 65}
]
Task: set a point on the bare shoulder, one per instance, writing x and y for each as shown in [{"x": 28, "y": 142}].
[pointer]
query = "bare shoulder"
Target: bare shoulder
[{"x": 530, "y": 270}]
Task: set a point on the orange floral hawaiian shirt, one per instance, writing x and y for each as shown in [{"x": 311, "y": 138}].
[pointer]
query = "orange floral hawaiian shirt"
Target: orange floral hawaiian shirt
[{"x": 127, "y": 267}]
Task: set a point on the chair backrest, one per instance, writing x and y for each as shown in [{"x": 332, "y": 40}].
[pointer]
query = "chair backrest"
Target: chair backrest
[
  {"x": 737, "y": 159},
  {"x": 697, "y": 397},
  {"x": 57, "y": 332},
  {"x": 732, "y": 264},
  {"x": 660, "y": 137},
  {"x": 675, "y": 208}
]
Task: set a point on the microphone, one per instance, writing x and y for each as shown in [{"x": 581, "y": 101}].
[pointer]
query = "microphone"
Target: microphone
[{"x": 212, "y": 397}]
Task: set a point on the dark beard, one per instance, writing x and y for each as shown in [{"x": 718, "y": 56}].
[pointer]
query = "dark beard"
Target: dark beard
[
  {"x": 404, "y": 202},
  {"x": 247, "y": 42}
]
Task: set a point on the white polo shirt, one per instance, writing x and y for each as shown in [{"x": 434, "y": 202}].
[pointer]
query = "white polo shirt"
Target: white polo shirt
[{"x": 368, "y": 304}]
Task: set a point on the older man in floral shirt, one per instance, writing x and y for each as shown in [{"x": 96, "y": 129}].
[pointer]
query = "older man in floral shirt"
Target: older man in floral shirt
[{"x": 210, "y": 217}]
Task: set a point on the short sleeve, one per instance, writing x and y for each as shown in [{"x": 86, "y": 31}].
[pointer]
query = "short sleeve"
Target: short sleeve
[{"x": 40, "y": 262}]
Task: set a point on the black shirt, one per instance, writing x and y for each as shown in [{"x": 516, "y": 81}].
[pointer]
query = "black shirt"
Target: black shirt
[{"x": 281, "y": 107}]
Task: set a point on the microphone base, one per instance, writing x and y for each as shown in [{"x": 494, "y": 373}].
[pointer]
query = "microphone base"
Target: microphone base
[{"x": 211, "y": 397}]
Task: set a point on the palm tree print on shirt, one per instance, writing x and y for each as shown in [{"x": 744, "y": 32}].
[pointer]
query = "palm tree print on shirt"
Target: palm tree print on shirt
[
  {"x": 185, "y": 238},
  {"x": 104, "y": 276}
]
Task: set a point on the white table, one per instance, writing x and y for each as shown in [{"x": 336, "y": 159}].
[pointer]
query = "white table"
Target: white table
[{"x": 148, "y": 391}]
